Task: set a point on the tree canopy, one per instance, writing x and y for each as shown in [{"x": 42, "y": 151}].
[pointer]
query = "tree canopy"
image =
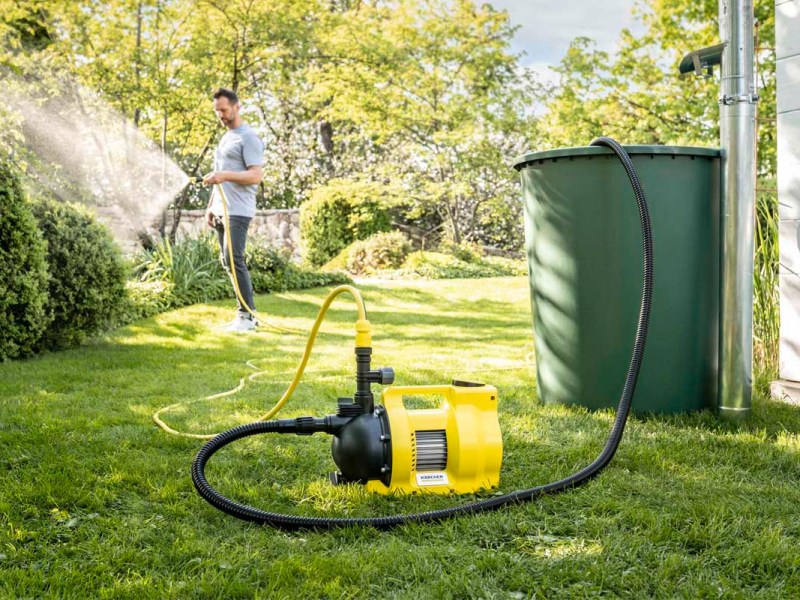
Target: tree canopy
[{"x": 423, "y": 98}]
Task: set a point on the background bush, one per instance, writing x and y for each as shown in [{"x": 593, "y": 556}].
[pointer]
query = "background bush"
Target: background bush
[
  {"x": 466, "y": 251},
  {"x": 437, "y": 265},
  {"x": 272, "y": 271},
  {"x": 380, "y": 251},
  {"x": 389, "y": 254},
  {"x": 338, "y": 214},
  {"x": 23, "y": 272},
  {"x": 174, "y": 275},
  {"x": 86, "y": 291},
  {"x": 147, "y": 298},
  {"x": 191, "y": 268}
]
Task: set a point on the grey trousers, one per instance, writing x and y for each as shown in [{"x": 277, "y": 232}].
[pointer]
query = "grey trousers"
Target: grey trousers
[{"x": 239, "y": 226}]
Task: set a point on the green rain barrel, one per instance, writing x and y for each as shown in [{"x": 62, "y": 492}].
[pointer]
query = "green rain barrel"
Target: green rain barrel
[{"x": 584, "y": 245}]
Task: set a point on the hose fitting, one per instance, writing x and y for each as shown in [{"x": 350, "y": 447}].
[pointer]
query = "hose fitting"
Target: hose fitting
[{"x": 363, "y": 333}]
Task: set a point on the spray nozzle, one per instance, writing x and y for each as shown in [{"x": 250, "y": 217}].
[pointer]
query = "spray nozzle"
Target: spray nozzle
[{"x": 193, "y": 180}]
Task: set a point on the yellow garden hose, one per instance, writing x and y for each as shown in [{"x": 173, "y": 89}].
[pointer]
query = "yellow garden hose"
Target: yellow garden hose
[
  {"x": 232, "y": 264},
  {"x": 363, "y": 339}
]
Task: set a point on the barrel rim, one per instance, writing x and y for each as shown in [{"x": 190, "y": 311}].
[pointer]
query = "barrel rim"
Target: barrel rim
[{"x": 525, "y": 159}]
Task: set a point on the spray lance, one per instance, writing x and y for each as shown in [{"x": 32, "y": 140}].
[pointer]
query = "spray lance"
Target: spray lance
[{"x": 455, "y": 448}]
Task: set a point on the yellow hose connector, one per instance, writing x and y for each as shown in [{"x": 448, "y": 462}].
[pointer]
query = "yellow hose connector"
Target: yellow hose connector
[{"x": 363, "y": 334}]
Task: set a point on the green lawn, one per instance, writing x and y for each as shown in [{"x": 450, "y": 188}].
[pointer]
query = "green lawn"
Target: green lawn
[{"x": 97, "y": 502}]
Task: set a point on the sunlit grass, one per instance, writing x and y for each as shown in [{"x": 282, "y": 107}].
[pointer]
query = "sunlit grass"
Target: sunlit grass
[{"x": 97, "y": 502}]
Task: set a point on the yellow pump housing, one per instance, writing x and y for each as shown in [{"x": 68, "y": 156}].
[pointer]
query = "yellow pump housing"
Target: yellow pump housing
[{"x": 455, "y": 448}]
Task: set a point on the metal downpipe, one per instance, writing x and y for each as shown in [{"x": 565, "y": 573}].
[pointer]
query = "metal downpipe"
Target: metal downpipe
[{"x": 737, "y": 135}]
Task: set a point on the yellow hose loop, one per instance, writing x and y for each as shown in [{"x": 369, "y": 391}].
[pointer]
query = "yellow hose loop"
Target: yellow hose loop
[{"x": 363, "y": 329}]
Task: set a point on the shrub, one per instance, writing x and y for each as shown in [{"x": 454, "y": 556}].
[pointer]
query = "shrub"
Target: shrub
[
  {"x": 191, "y": 267},
  {"x": 299, "y": 278},
  {"x": 272, "y": 271},
  {"x": 148, "y": 298},
  {"x": 267, "y": 266},
  {"x": 170, "y": 276},
  {"x": 469, "y": 253},
  {"x": 86, "y": 292},
  {"x": 337, "y": 215},
  {"x": 380, "y": 251},
  {"x": 436, "y": 265},
  {"x": 23, "y": 272},
  {"x": 338, "y": 262}
]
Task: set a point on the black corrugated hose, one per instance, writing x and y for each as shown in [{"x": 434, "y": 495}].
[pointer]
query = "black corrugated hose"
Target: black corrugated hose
[{"x": 248, "y": 513}]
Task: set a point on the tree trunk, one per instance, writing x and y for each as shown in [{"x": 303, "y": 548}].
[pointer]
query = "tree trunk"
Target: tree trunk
[
  {"x": 162, "y": 228},
  {"x": 176, "y": 213},
  {"x": 137, "y": 113}
]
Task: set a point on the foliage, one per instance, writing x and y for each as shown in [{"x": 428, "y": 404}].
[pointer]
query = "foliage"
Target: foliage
[
  {"x": 337, "y": 215},
  {"x": 470, "y": 253},
  {"x": 191, "y": 267},
  {"x": 188, "y": 272},
  {"x": 377, "y": 252},
  {"x": 766, "y": 313},
  {"x": 637, "y": 95},
  {"x": 272, "y": 271},
  {"x": 148, "y": 298},
  {"x": 23, "y": 272},
  {"x": 435, "y": 265},
  {"x": 86, "y": 291},
  {"x": 435, "y": 82}
]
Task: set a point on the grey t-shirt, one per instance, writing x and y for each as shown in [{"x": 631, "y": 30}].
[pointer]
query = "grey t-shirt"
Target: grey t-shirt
[{"x": 238, "y": 149}]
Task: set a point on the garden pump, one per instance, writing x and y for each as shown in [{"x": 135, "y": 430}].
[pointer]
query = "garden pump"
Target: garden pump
[{"x": 456, "y": 447}]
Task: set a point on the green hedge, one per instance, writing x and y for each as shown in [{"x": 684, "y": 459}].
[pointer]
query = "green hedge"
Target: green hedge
[
  {"x": 272, "y": 271},
  {"x": 338, "y": 214},
  {"x": 174, "y": 275},
  {"x": 436, "y": 265},
  {"x": 23, "y": 272},
  {"x": 86, "y": 292}
]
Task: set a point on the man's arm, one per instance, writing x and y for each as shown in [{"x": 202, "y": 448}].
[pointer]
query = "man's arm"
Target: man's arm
[{"x": 252, "y": 176}]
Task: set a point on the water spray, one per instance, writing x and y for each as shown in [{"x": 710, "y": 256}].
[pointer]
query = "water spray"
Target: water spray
[{"x": 83, "y": 151}]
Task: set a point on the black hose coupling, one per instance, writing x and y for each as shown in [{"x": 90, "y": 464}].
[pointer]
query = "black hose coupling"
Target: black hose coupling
[{"x": 330, "y": 424}]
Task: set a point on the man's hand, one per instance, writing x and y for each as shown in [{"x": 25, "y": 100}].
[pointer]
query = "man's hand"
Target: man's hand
[
  {"x": 210, "y": 218},
  {"x": 214, "y": 178}
]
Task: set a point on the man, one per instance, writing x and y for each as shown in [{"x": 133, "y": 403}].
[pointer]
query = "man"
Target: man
[{"x": 238, "y": 169}]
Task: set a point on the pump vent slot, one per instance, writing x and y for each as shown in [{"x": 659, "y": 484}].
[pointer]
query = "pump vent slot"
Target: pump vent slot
[{"x": 429, "y": 450}]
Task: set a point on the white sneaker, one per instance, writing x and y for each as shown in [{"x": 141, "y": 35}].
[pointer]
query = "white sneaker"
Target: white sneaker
[{"x": 241, "y": 324}]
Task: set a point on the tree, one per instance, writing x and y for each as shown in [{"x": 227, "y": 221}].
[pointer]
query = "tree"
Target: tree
[
  {"x": 638, "y": 97},
  {"x": 435, "y": 82}
]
